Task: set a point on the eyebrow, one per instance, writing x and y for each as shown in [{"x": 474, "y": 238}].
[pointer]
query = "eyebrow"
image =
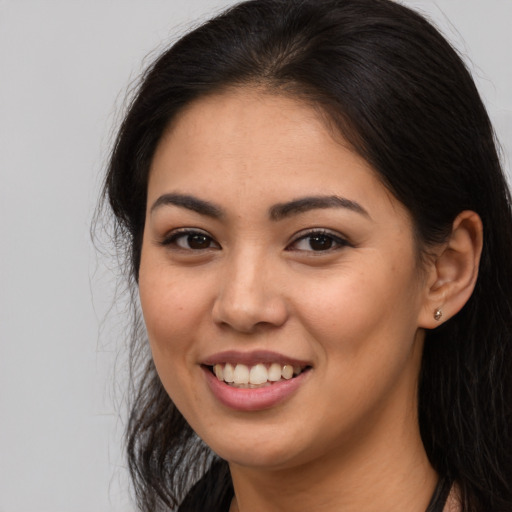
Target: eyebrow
[
  {"x": 276, "y": 213},
  {"x": 305, "y": 204},
  {"x": 190, "y": 203}
]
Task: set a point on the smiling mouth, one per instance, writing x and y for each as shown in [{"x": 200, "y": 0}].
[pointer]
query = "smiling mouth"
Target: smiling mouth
[{"x": 257, "y": 376}]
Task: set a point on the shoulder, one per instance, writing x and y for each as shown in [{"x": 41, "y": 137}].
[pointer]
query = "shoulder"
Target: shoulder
[{"x": 453, "y": 502}]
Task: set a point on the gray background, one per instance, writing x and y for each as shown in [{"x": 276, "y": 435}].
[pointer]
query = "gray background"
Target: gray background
[{"x": 64, "y": 69}]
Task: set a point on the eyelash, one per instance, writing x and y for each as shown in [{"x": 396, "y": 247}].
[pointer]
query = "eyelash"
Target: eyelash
[
  {"x": 172, "y": 239},
  {"x": 328, "y": 236},
  {"x": 321, "y": 235}
]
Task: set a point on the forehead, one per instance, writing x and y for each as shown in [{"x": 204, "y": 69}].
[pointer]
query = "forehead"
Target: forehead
[
  {"x": 242, "y": 121},
  {"x": 246, "y": 143}
]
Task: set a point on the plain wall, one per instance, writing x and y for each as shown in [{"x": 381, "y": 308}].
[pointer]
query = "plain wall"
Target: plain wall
[{"x": 64, "y": 70}]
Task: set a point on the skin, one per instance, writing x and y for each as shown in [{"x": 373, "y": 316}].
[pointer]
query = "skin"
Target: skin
[{"x": 348, "y": 438}]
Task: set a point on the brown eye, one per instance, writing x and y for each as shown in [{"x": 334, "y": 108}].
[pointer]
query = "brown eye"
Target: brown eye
[
  {"x": 191, "y": 240},
  {"x": 318, "y": 241},
  {"x": 198, "y": 241}
]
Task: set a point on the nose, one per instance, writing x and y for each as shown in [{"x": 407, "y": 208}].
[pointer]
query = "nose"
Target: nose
[{"x": 250, "y": 297}]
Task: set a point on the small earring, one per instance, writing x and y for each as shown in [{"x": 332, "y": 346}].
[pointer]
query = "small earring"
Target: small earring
[{"x": 438, "y": 313}]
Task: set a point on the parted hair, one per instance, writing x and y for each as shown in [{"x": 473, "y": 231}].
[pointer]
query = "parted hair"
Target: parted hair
[{"x": 401, "y": 96}]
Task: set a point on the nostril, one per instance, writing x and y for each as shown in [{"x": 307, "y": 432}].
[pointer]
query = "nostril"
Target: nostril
[{"x": 250, "y": 319}]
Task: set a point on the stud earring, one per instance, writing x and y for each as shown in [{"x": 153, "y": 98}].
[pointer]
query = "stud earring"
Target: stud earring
[{"x": 438, "y": 313}]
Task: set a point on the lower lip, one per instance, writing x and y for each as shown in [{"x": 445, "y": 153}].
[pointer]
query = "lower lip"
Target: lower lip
[{"x": 256, "y": 399}]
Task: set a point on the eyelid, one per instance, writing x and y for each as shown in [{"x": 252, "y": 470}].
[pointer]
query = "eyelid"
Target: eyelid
[
  {"x": 339, "y": 239},
  {"x": 173, "y": 235}
]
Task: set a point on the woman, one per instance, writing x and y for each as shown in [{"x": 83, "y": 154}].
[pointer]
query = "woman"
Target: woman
[{"x": 320, "y": 232}]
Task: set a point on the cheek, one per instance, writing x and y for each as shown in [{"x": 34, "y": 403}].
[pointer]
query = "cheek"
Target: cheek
[
  {"x": 164, "y": 309},
  {"x": 351, "y": 311},
  {"x": 166, "y": 318},
  {"x": 365, "y": 327},
  {"x": 167, "y": 297},
  {"x": 176, "y": 309}
]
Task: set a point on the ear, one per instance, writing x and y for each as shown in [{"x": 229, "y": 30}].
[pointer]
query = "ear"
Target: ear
[{"x": 453, "y": 270}]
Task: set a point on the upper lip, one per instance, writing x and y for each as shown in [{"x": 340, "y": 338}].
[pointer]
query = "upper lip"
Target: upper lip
[{"x": 252, "y": 358}]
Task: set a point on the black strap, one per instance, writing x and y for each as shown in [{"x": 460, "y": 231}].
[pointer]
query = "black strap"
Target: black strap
[{"x": 440, "y": 496}]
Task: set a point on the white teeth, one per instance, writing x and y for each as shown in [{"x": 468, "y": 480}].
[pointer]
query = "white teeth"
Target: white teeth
[
  {"x": 241, "y": 374},
  {"x": 287, "y": 372},
  {"x": 274, "y": 372},
  {"x": 229, "y": 372},
  {"x": 259, "y": 375}
]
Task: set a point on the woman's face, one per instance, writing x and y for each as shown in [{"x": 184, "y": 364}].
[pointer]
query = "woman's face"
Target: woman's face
[{"x": 271, "y": 249}]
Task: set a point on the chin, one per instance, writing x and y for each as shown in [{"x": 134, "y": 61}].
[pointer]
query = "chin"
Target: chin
[{"x": 263, "y": 450}]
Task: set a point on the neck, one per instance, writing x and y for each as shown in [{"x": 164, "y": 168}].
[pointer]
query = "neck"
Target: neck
[{"x": 383, "y": 474}]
